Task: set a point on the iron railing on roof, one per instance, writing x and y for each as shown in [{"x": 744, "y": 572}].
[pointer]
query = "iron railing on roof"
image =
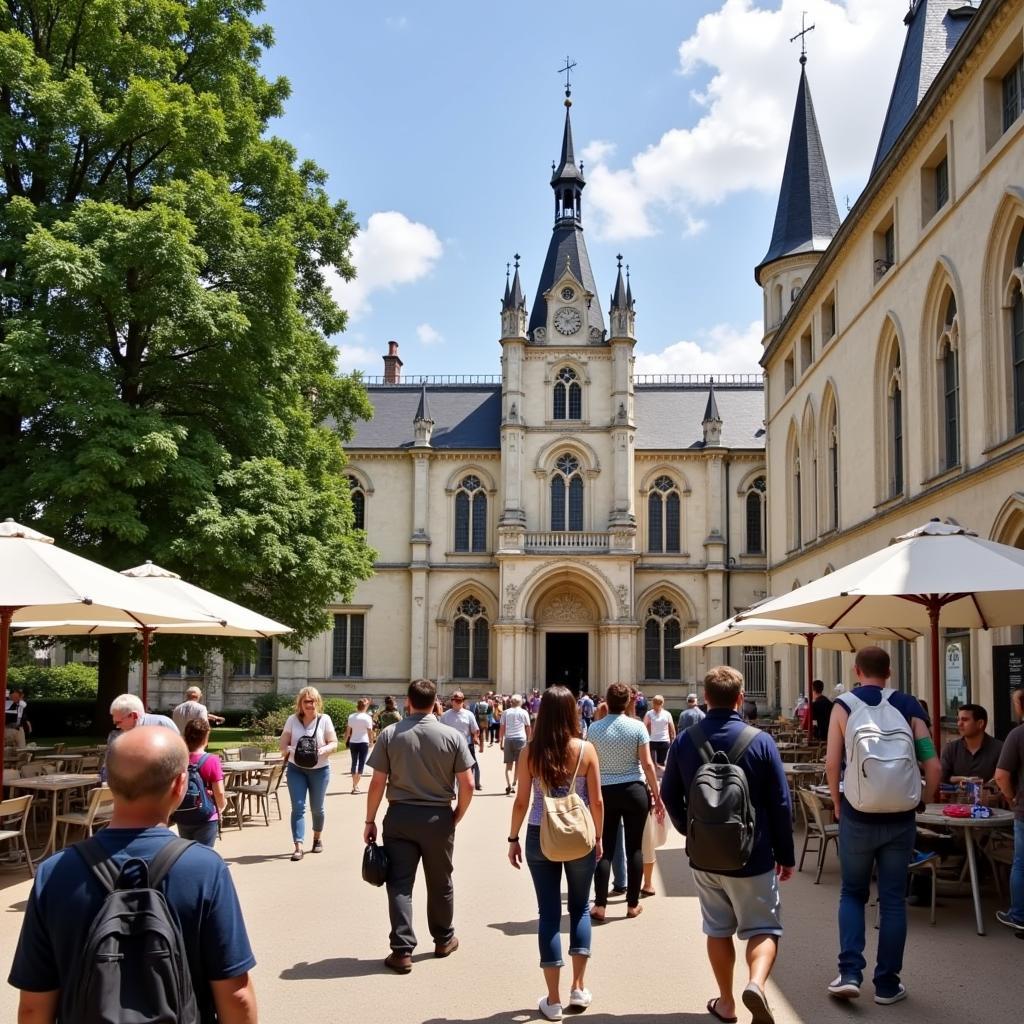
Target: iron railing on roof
[
  {"x": 745, "y": 380},
  {"x": 434, "y": 379}
]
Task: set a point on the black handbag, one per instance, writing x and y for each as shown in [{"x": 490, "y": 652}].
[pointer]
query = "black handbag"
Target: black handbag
[{"x": 375, "y": 864}]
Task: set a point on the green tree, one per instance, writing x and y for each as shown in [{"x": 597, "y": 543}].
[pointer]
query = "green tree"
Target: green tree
[{"x": 167, "y": 386}]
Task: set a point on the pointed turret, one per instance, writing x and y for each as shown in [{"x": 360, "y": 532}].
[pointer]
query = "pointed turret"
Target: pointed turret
[
  {"x": 504, "y": 301},
  {"x": 712, "y": 422},
  {"x": 806, "y": 218},
  {"x": 567, "y": 254},
  {"x": 621, "y": 311},
  {"x": 513, "y": 308},
  {"x": 934, "y": 27},
  {"x": 423, "y": 423}
]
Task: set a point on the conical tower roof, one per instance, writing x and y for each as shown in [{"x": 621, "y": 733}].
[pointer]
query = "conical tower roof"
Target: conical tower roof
[
  {"x": 423, "y": 409},
  {"x": 620, "y": 297},
  {"x": 934, "y": 27},
  {"x": 806, "y": 218},
  {"x": 711, "y": 413}
]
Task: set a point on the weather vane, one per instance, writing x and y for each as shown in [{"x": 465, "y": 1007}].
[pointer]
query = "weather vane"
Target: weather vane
[
  {"x": 569, "y": 65},
  {"x": 802, "y": 36}
]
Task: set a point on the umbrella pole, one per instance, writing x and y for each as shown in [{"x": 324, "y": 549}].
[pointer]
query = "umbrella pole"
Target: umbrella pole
[
  {"x": 810, "y": 678},
  {"x": 934, "y": 609},
  {"x": 146, "y": 634},
  {"x": 6, "y": 616}
]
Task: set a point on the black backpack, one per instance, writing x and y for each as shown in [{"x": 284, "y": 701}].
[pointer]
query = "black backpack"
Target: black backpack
[
  {"x": 196, "y": 807},
  {"x": 720, "y": 817},
  {"x": 306, "y": 755},
  {"x": 134, "y": 965}
]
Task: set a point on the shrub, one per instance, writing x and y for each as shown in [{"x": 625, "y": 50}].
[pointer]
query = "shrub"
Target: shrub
[
  {"x": 61, "y": 717},
  {"x": 339, "y": 710},
  {"x": 65, "y": 682},
  {"x": 235, "y": 718}
]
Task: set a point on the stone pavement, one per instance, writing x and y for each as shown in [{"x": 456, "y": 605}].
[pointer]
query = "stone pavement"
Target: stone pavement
[{"x": 320, "y": 935}]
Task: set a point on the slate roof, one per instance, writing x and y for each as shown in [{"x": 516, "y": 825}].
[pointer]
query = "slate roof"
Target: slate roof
[
  {"x": 934, "y": 27},
  {"x": 469, "y": 416},
  {"x": 567, "y": 169},
  {"x": 806, "y": 218},
  {"x": 566, "y": 244},
  {"x": 669, "y": 417}
]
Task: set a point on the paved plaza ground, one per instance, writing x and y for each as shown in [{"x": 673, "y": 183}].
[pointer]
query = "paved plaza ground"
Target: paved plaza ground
[{"x": 320, "y": 935}]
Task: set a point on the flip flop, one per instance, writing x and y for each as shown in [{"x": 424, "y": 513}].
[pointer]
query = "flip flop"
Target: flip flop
[
  {"x": 754, "y": 1000},
  {"x": 648, "y": 892},
  {"x": 712, "y": 1003}
]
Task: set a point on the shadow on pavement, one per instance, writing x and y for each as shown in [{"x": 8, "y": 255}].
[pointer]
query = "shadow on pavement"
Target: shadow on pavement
[
  {"x": 258, "y": 858},
  {"x": 342, "y": 967},
  {"x": 522, "y": 1015}
]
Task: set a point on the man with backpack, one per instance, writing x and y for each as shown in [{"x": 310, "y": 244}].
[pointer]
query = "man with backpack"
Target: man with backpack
[
  {"x": 880, "y": 736},
  {"x": 725, "y": 789},
  {"x": 102, "y": 913}
]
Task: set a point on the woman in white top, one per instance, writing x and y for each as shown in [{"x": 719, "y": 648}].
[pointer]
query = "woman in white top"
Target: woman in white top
[
  {"x": 309, "y": 732},
  {"x": 661, "y": 728},
  {"x": 358, "y": 737}
]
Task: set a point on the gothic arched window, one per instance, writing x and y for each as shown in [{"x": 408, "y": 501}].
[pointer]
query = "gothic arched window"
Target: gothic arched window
[
  {"x": 664, "y": 519},
  {"x": 950, "y": 386},
  {"x": 358, "y": 503},
  {"x": 832, "y": 440},
  {"x": 1017, "y": 335},
  {"x": 893, "y": 383},
  {"x": 470, "y": 515},
  {"x": 755, "y": 517},
  {"x": 470, "y": 641},
  {"x": 568, "y": 395},
  {"x": 662, "y": 631},
  {"x": 567, "y": 494}
]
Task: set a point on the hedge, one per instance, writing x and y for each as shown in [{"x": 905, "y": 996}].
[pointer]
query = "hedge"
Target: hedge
[
  {"x": 61, "y": 717},
  {"x": 68, "y": 682}
]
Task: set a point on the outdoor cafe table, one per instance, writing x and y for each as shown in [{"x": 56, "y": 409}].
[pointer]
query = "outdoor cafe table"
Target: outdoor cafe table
[
  {"x": 242, "y": 767},
  {"x": 54, "y": 785},
  {"x": 932, "y": 815}
]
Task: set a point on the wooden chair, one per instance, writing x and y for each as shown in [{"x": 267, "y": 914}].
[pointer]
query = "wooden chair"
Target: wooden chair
[
  {"x": 13, "y": 820},
  {"x": 97, "y": 813},
  {"x": 250, "y": 753},
  {"x": 232, "y": 810},
  {"x": 262, "y": 789},
  {"x": 817, "y": 828},
  {"x": 230, "y": 754}
]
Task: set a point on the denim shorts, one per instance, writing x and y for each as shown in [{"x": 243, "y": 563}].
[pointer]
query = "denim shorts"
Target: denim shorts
[{"x": 743, "y": 907}]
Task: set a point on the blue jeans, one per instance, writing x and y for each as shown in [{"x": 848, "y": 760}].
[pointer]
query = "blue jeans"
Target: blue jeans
[
  {"x": 205, "y": 834},
  {"x": 311, "y": 781},
  {"x": 358, "y": 752},
  {"x": 1017, "y": 873},
  {"x": 547, "y": 881},
  {"x": 862, "y": 845}
]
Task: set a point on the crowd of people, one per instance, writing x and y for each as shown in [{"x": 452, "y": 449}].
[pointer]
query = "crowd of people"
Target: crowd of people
[{"x": 605, "y": 773}]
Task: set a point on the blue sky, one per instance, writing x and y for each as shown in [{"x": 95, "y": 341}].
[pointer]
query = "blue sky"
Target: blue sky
[{"x": 438, "y": 123}]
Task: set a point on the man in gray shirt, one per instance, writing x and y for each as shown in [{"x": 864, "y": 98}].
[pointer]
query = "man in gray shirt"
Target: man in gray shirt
[
  {"x": 691, "y": 714},
  {"x": 419, "y": 763}
]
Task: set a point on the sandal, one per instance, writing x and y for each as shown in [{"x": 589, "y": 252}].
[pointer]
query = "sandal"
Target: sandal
[
  {"x": 634, "y": 911},
  {"x": 597, "y": 913},
  {"x": 648, "y": 892},
  {"x": 712, "y": 1003}
]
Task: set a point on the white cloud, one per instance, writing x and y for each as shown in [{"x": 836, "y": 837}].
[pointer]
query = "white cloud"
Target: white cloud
[
  {"x": 390, "y": 251},
  {"x": 397, "y": 23},
  {"x": 739, "y": 142},
  {"x": 723, "y": 349},
  {"x": 429, "y": 335},
  {"x": 358, "y": 357}
]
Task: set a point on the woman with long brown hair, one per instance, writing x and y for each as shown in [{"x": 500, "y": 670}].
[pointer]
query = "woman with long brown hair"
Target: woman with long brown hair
[{"x": 554, "y": 757}]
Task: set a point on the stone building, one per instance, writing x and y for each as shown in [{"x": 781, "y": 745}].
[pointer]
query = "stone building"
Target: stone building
[{"x": 894, "y": 343}]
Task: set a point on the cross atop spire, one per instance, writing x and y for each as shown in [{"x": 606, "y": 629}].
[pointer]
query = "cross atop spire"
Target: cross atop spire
[
  {"x": 802, "y": 36},
  {"x": 569, "y": 65}
]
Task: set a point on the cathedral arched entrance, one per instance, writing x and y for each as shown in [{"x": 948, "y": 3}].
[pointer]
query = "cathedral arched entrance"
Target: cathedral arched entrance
[{"x": 565, "y": 637}]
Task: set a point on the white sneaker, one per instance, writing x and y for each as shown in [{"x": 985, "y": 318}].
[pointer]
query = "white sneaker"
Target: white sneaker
[
  {"x": 580, "y": 997},
  {"x": 549, "y": 1011},
  {"x": 900, "y": 994}
]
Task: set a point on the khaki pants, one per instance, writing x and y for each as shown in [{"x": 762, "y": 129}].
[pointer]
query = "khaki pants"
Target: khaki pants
[{"x": 14, "y": 737}]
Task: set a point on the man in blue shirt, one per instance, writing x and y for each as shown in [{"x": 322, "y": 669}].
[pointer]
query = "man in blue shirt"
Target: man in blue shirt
[
  {"x": 870, "y": 839},
  {"x": 148, "y": 771},
  {"x": 746, "y": 902}
]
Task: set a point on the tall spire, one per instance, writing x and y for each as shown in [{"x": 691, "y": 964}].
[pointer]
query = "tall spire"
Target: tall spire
[
  {"x": 567, "y": 250},
  {"x": 620, "y": 299},
  {"x": 513, "y": 307},
  {"x": 621, "y": 313},
  {"x": 423, "y": 422},
  {"x": 934, "y": 27},
  {"x": 806, "y": 218},
  {"x": 712, "y": 421}
]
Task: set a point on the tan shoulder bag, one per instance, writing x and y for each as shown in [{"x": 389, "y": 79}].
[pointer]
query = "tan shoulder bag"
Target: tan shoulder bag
[{"x": 566, "y": 827}]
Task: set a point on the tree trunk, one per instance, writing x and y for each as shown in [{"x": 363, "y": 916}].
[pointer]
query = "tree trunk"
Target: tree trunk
[{"x": 114, "y": 660}]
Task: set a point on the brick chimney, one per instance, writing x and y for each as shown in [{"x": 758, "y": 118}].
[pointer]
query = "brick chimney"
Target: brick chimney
[{"x": 392, "y": 365}]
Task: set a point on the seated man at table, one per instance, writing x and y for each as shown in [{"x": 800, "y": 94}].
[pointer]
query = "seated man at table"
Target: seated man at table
[
  {"x": 975, "y": 753},
  {"x": 148, "y": 772}
]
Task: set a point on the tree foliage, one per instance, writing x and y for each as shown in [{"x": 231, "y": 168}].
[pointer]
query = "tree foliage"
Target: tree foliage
[
  {"x": 167, "y": 387},
  {"x": 62, "y": 682}
]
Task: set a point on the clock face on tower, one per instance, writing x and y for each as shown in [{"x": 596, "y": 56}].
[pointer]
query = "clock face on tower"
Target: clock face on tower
[{"x": 567, "y": 320}]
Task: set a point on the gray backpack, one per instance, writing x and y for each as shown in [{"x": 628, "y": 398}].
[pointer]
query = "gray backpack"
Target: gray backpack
[
  {"x": 134, "y": 966},
  {"x": 720, "y": 817}
]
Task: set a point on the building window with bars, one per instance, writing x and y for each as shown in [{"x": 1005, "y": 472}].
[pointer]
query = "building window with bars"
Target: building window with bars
[
  {"x": 470, "y": 641},
  {"x": 470, "y": 515},
  {"x": 1013, "y": 88},
  {"x": 664, "y": 517},
  {"x": 567, "y": 494},
  {"x": 358, "y": 503},
  {"x": 662, "y": 631},
  {"x": 347, "y": 653},
  {"x": 755, "y": 674},
  {"x": 568, "y": 395},
  {"x": 262, "y": 664},
  {"x": 755, "y": 516}
]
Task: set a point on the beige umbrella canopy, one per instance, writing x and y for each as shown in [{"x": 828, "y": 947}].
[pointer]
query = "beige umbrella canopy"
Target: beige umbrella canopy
[
  {"x": 759, "y": 632},
  {"x": 205, "y": 612},
  {"x": 40, "y": 580},
  {"x": 939, "y": 575}
]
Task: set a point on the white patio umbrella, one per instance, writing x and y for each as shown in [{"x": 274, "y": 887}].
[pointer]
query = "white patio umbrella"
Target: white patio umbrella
[
  {"x": 760, "y": 632},
  {"x": 39, "y": 579},
  {"x": 939, "y": 575},
  {"x": 207, "y": 614}
]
